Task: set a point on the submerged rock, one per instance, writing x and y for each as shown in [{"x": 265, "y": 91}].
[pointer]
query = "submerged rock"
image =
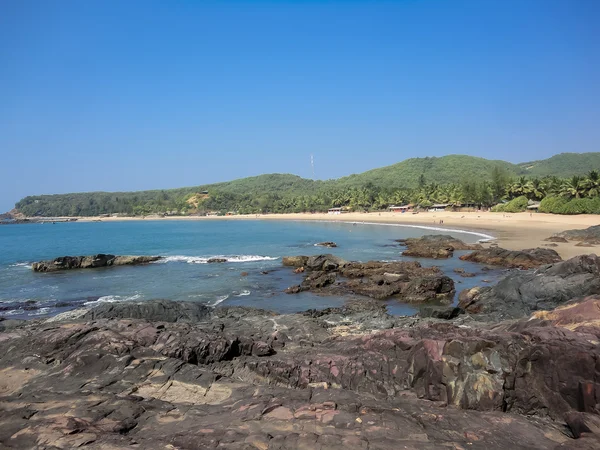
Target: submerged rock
[
  {"x": 90, "y": 262},
  {"x": 328, "y": 244},
  {"x": 521, "y": 293},
  {"x": 338, "y": 378},
  {"x": 435, "y": 246},
  {"x": 520, "y": 259},
  {"x": 216, "y": 260}
]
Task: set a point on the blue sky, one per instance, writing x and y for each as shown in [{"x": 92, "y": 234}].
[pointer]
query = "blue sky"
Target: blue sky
[{"x": 127, "y": 95}]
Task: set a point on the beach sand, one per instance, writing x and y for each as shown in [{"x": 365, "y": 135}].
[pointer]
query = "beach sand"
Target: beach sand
[{"x": 515, "y": 231}]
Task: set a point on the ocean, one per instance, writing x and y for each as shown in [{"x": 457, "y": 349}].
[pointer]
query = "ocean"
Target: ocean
[{"x": 252, "y": 276}]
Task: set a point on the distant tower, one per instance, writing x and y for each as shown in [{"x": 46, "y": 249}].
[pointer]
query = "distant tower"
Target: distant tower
[{"x": 312, "y": 165}]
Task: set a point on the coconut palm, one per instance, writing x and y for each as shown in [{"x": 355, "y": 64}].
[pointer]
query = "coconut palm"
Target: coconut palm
[
  {"x": 536, "y": 189},
  {"x": 592, "y": 183},
  {"x": 573, "y": 187}
]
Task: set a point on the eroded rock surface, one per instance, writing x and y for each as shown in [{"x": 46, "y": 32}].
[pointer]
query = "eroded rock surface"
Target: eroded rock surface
[
  {"x": 521, "y": 293},
  {"x": 520, "y": 259},
  {"x": 90, "y": 262},
  {"x": 406, "y": 280},
  {"x": 437, "y": 246},
  {"x": 352, "y": 378}
]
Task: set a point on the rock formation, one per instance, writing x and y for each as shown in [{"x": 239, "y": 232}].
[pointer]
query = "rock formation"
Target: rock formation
[
  {"x": 405, "y": 280},
  {"x": 519, "y": 259},
  {"x": 590, "y": 235},
  {"x": 328, "y": 244},
  {"x": 90, "y": 262},
  {"x": 176, "y": 375},
  {"x": 521, "y": 293},
  {"x": 435, "y": 246}
]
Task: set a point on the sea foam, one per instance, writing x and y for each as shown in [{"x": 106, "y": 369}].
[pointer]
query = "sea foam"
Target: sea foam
[
  {"x": 113, "y": 299},
  {"x": 204, "y": 259}
]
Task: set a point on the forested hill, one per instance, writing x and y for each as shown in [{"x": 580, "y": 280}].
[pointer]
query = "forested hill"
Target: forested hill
[
  {"x": 443, "y": 170},
  {"x": 562, "y": 165},
  {"x": 452, "y": 178}
]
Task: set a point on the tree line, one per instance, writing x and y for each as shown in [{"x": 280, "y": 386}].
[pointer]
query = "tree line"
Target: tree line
[{"x": 575, "y": 195}]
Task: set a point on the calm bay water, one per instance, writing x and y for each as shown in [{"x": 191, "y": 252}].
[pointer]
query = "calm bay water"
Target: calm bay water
[{"x": 250, "y": 246}]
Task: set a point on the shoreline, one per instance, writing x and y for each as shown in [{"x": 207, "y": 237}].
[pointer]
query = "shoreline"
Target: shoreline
[{"x": 513, "y": 231}]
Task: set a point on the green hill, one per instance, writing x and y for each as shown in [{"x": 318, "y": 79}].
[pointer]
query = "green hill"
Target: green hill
[
  {"x": 436, "y": 179},
  {"x": 443, "y": 170},
  {"x": 562, "y": 165}
]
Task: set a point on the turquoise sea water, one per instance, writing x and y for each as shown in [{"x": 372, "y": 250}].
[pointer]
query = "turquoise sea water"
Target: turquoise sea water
[{"x": 250, "y": 246}]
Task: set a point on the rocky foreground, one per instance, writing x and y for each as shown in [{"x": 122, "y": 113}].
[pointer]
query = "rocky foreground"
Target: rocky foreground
[
  {"x": 518, "y": 369},
  {"x": 180, "y": 375}
]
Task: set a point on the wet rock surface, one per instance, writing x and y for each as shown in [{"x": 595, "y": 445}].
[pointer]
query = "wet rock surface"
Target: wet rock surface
[
  {"x": 520, "y": 259},
  {"x": 90, "y": 262},
  {"x": 172, "y": 375},
  {"x": 436, "y": 246},
  {"x": 521, "y": 293},
  {"x": 405, "y": 280}
]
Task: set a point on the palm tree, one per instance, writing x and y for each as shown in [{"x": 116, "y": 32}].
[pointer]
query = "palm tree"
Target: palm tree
[
  {"x": 537, "y": 189},
  {"x": 573, "y": 187},
  {"x": 592, "y": 183},
  {"x": 518, "y": 188}
]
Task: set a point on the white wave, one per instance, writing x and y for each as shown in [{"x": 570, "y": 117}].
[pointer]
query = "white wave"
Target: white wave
[
  {"x": 112, "y": 299},
  {"x": 219, "y": 300},
  {"x": 244, "y": 293},
  {"x": 204, "y": 259},
  {"x": 21, "y": 264},
  {"x": 486, "y": 237},
  {"x": 12, "y": 312},
  {"x": 39, "y": 312}
]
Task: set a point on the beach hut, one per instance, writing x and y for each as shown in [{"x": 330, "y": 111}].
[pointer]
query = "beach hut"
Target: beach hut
[
  {"x": 402, "y": 208},
  {"x": 438, "y": 207},
  {"x": 335, "y": 211}
]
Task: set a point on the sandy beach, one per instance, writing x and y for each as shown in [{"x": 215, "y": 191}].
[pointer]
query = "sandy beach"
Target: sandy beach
[{"x": 512, "y": 231}]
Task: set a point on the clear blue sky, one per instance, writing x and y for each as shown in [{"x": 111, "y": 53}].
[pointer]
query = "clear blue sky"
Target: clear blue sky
[{"x": 127, "y": 95}]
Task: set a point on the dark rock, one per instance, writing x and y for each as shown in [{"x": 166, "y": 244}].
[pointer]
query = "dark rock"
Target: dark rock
[
  {"x": 521, "y": 259},
  {"x": 521, "y": 293},
  {"x": 326, "y": 244},
  {"x": 216, "y": 260},
  {"x": 326, "y": 262},
  {"x": 468, "y": 274},
  {"x": 586, "y": 244},
  {"x": 438, "y": 288},
  {"x": 435, "y": 246},
  {"x": 438, "y": 312},
  {"x": 88, "y": 262},
  {"x": 244, "y": 274},
  {"x": 407, "y": 281},
  {"x": 591, "y": 235},
  {"x": 550, "y": 245},
  {"x": 156, "y": 310},
  {"x": 556, "y": 239}
]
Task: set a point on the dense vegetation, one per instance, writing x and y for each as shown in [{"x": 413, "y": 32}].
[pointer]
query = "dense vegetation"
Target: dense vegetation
[{"x": 456, "y": 180}]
